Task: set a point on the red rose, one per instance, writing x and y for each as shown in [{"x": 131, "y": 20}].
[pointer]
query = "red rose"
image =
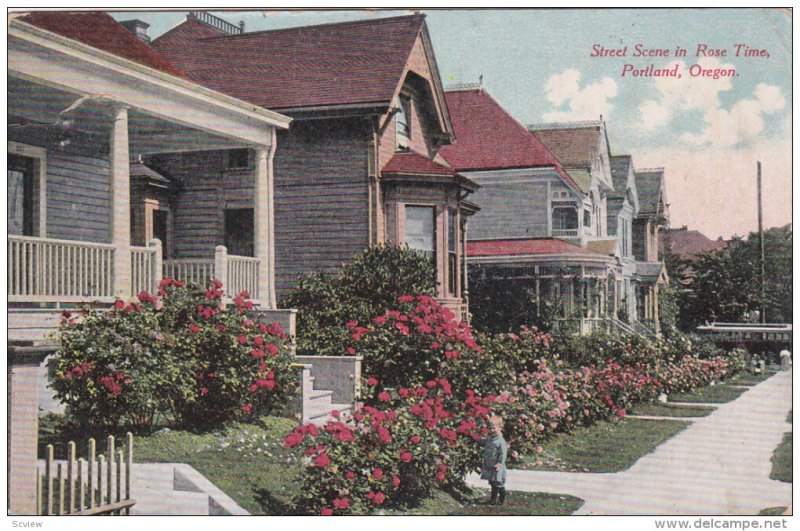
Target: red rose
[
  {"x": 415, "y": 439},
  {"x": 322, "y": 460},
  {"x": 341, "y": 503},
  {"x": 351, "y": 351},
  {"x": 377, "y": 474},
  {"x": 326, "y": 512},
  {"x": 405, "y": 298},
  {"x": 384, "y": 396},
  {"x": 372, "y": 381},
  {"x": 194, "y": 328},
  {"x": 379, "y": 498},
  {"x": 247, "y": 408},
  {"x": 395, "y": 481},
  {"x": 242, "y": 340},
  {"x": 350, "y": 475},
  {"x": 272, "y": 349},
  {"x": 258, "y": 341},
  {"x": 406, "y": 457}
]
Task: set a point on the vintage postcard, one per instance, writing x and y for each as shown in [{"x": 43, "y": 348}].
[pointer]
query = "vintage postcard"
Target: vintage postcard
[{"x": 430, "y": 262}]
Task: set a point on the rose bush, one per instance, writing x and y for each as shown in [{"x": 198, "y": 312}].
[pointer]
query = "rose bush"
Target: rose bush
[{"x": 179, "y": 354}]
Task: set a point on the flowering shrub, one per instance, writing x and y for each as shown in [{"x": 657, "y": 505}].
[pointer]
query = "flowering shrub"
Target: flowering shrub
[
  {"x": 178, "y": 354},
  {"x": 391, "y": 454},
  {"x": 359, "y": 291},
  {"x": 414, "y": 343}
]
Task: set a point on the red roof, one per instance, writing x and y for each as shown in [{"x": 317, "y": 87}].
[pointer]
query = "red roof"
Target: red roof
[
  {"x": 346, "y": 63},
  {"x": 524, "y": 247},
  {"x": 100, "y": 31},
  {"x": 414, "y": 164},
  {"x": 575, "y": 147},
  {"x": 689, "y": 243},
  {"x": 487, "y": 137}
]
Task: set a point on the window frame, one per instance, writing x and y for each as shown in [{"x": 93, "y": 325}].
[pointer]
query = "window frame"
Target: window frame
[{"x": 403, "y": 130}]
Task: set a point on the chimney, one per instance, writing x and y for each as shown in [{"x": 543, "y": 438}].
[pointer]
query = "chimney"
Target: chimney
[{"x": 138, "y": 28}]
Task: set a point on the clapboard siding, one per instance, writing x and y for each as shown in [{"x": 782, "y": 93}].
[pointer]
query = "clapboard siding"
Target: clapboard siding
[
  {"x": 78, "y": 198},
  {"x": 509, "y": 210},
  {"x": 197, "y": 207},
  {"x": 321, "y": 198}
]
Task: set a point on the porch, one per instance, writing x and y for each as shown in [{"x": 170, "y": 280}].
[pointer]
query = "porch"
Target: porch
[{"x": 84, "y": 225}]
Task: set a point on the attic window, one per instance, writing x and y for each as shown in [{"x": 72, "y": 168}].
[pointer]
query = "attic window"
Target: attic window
[
  {"x": 238, "y": 159},
  {"x": 404, "y": 123}
]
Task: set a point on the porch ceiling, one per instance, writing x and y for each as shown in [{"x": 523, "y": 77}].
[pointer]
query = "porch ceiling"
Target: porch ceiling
[{"x": 51, "y": 116}]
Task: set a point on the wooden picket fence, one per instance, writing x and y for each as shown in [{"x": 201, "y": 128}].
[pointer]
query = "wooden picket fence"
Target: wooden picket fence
[{"x": 98, "y": 485}]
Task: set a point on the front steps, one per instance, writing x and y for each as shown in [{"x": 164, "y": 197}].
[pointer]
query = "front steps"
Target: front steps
[{"x": 317, "y": 404}]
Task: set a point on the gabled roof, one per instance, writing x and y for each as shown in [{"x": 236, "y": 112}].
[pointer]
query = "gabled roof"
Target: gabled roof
[
  {"x": 574, "y": 144},
  {"x": 100, "y": 31},
  {"x": 488, "y": 138},
  {"x": 620, "y": 166},
  {"x": 689, "y": 243},
  {"x": 650, "y": 271},
  {"x": 649, "y": 185},
  {"x": 514, "y": 247},
  {"x": 414, "y": 164},
  {"x": 356, "y": 63}
]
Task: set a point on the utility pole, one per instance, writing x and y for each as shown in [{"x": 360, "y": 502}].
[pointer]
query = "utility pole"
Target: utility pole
[{"x": 761, "y": 248}]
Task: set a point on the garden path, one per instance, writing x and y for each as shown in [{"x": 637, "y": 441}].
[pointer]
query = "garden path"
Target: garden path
[{"x": 719, "y": 465}]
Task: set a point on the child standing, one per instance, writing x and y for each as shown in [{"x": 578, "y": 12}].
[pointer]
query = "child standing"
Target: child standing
[{"x": 494, "y": 461}]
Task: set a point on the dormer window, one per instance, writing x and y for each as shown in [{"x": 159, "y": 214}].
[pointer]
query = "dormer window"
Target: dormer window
[
  {"x": 564, "y": 219},
  {"x": 403, "y": 118}
]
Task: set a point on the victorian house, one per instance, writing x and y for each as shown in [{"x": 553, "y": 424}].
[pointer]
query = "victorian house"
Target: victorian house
[
  {"x": 539, "y": 225},
  {"x": 86, "y": 99},
  {"x": 361, "y": 163}
]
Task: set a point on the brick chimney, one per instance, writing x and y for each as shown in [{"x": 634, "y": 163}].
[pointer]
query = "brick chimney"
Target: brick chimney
[{"x": 138, "y": 28}]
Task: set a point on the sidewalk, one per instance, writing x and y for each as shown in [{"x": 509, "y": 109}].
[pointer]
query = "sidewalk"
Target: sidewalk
[{"x": 719, "y": 465}]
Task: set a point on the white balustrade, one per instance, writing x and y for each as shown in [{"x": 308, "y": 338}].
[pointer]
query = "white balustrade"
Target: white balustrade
[
  {"x": 242, "y": 276},
  {"x": 50, "y": 270},
  {"x": 143, "y": 268},
  {"x": 195, "y": 271}
]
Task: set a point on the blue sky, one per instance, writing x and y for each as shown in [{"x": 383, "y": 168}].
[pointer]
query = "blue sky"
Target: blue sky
[{"x": 707, "y": 133}]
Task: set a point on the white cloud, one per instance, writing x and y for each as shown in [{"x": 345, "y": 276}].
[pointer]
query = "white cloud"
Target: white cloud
[
  {"x": 714, "y": 190},
  {"x": 721, "y": 127},
  {"x": 589, "y": 102}
]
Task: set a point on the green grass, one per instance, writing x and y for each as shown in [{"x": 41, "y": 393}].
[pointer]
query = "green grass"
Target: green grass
[
  {"x": 714, "y": 394},
  {"x": 745, "y": 378},
  {"x": 782, "y": 460},
  {"x": 247, "y": 461},
  {"x": 772, "y": 511},
  {"x": 517, "y": 503},
  {"x": 657, "y": 409},
  {"x": 608, "y": 446}
]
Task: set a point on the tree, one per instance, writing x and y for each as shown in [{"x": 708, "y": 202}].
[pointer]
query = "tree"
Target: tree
[{"x": 725, "y": 284}]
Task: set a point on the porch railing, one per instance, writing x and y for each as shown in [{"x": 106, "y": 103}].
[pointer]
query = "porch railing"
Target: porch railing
[
  {"x": 237, "y": 273},
  {"x": 50, "y": 270},
  {"x": 98, "y": 485},
  {"x": 196, "y": 271},
  {"x": 242, "y": 275},
  {"x": 145, "y": 267}
]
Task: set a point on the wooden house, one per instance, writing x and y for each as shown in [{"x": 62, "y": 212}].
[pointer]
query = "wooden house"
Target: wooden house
[
  {"x": 538, "y": 224},
  {"x": 86, "y": 98},
  {"x": 652, "y": 219},
  {"x": 621, "y": 208},
  {"x": 360, "y": 164}
]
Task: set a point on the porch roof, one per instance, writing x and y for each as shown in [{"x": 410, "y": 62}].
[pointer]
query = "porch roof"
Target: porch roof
[
  {"x": 531, "y": 246},
  {"x": 649, "y": 271},
  {"x": 55, "y": 81}
]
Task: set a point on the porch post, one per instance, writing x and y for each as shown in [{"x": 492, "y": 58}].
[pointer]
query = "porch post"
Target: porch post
[
  {"x": 121, "y": 202},
  {"x": 263, "y": 223}
]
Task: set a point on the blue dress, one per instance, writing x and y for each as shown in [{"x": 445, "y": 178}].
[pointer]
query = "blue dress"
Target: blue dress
[{"x": 494, "y": 452}]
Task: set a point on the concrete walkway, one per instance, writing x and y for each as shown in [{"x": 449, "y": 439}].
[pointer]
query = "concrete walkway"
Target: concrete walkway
[{"x": 719, "y": 465}]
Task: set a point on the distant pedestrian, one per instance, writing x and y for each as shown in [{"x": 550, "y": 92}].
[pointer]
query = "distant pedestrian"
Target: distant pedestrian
[
  {"x": 786, "y": 359},
  {"x": 495, "y": 450}
]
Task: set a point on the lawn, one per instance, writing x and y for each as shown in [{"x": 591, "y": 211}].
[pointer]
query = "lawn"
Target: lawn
[
  {"x": 714, "y": 394},
  {"x": 657, "y": 409},
  {"x": 782, "y": 460},
  {"x": 247, "y": 461},
  {"x": 745, "y": 378},
  {"x": 772, "y": 511},
  {"x": 517, "y": 503},
  {"x": 608, "y": 446}
]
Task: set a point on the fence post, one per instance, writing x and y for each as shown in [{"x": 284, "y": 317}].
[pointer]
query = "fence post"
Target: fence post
[
  {"x": 71, "y": 477},
  {"x": 90, "y": 472},
  {"x": 221, "y": 265},
  {"x": 128, "y": 463},
  {"x": 110, "y": 471},
  {"x": 48, "y": 474},
  {"x": 158, "y": 260},
  {"x": 81, "y": 498}
]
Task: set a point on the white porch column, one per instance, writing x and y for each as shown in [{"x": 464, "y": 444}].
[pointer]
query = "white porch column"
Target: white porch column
[
  {"x": 121, "y": 202},
  {"x": 264, "y": 223}
]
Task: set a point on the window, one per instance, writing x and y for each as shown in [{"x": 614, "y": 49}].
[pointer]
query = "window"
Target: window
[
  {"x": 420, "y": 229},
  {"x": 565, "y": 219},
  {"x": 404, "y": 123},
  {"x": 452, "y": 258},
  {"x": 20, "y": 195},
  {"x": 239, "y": 231},
  {"x": 587, "y": 218},
  {"x": 238, "y": 158}
]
